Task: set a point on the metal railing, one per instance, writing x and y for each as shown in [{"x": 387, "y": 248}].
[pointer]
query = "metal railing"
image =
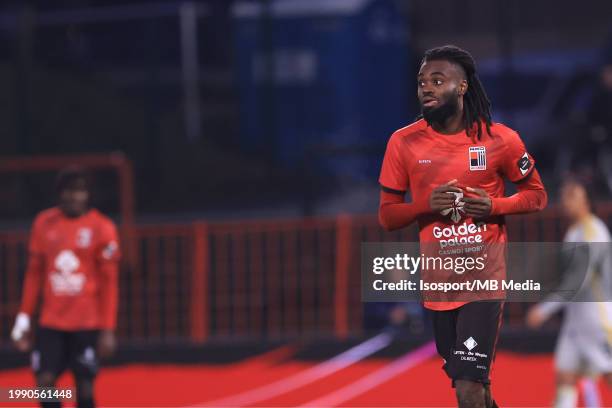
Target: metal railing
[{"x": 267, "y": 279}]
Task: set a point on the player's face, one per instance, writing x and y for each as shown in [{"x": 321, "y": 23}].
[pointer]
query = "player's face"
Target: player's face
[
  {"x": 74, "y": 200},
  {"x": 440, "y": 85},
  {"x": 573, "y": 199}
]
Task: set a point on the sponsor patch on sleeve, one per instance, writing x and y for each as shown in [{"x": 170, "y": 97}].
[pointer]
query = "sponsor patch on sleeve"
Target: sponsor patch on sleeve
[
  {"x": 109, "y": 251},
  {"x": 524, "y": 164}
]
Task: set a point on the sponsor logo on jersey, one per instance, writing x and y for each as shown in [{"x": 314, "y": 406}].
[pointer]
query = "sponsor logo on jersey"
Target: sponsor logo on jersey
[
  {"x": 65, "y": 280},
  {"x": 478, "y": 158},
  {"x": 524, "y": 164},
  {"x": 457, "y": 235}
]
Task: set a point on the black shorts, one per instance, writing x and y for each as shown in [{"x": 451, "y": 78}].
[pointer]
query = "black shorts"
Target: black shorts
[
  {"x": 56, "y": 350},
  {"x": 466, "y": 338}
]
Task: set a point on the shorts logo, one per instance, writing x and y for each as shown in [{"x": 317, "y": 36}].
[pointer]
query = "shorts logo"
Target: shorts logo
[
  {"x": 35, "y": 360},
  {"x": 478, "y": 158},
  {"x": 470, "y": 343},
  {"x": 524, "y": 164},
  {"x": 88, "y": 360},
  {"x": 88, "y": 357}
]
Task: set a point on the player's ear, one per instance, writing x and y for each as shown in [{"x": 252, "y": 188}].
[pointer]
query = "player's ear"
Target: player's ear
[{"x": 463, "y": 87}]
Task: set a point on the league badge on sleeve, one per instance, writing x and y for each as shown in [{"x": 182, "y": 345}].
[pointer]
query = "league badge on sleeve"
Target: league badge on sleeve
[
  {"x": 109, "y": 251},
  {"x": 477, "y": 158},
  {"x": 524, "y": 164}
]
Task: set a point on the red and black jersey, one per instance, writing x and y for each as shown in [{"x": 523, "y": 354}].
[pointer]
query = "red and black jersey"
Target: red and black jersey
[
  {"x": 418, "y": 159},
  {"x": 73, "y": 264}
]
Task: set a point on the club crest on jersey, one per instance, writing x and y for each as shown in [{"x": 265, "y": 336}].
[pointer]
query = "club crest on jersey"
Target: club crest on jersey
[
  {"x": 84, "y": 237},
  {"x": 478, "y": 158}
]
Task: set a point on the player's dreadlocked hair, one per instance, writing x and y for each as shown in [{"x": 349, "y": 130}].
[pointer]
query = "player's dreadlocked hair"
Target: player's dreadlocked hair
[
  {"x": 476, "y": 103},
  {"x": 71, "y": 177}
]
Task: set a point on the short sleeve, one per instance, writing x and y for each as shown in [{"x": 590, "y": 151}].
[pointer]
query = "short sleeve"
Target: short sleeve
[
  {"x": 393, "y": 174},
  {"x": 517, "y": 163},
  {"x": 108, "y": 243}
]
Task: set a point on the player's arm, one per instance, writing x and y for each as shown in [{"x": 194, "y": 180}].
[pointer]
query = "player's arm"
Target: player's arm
[
  {"x": 109, "y": 294},
  {"x": 32, "y": 285},
  {"x": 530, "y": 197},
  {"x": 519, "y": 167},
  {"x": 108, "y": 270},
  {"x": 394, "y": 213},
  {"x": 575, "y": 261}
]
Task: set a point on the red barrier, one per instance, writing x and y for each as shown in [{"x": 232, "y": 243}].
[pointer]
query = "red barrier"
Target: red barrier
[
  {"x": 199, "y": 283},
  {"x": 343, "y": 256},
  {"x": 256, "y": 279}
]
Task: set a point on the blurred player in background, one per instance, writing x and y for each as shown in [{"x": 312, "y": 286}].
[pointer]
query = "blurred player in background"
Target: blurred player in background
[
  {"x": 598, "y": 144},
  {"x": 72, "y": 270},
  {"x": 457, "y": 141},
  {"x": 584, "y": 346}
]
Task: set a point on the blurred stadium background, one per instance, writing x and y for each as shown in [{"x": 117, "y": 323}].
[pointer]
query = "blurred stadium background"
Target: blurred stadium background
[{"x": 238, "y": 145}]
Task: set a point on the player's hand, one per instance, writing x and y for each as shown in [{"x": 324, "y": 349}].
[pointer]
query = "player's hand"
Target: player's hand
[
  {"x": 479, "y": 206},
  {"x": 535, "y": 318},
  {"x": 107, "y": 343},
  {"x": 21, "y": 333},
  {"x": 24, "y": 344},
  {"x": 442, "y": 198}
]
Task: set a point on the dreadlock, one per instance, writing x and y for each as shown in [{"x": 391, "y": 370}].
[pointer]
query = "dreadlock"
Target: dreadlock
[
  {"x": 476, "y": 103},
  {"x": 71, "y": 177}
]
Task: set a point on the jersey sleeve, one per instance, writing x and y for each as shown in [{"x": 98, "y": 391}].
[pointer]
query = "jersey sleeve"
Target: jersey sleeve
[
  {"x": 32, "y": 283},
  {"x": 517, "y": 163},
  {"x": 393, "y": 174},
  {"x": 35, "y": 245},
  {"x": 108, "y": 268},
  {"x": 108, "y": 244}
]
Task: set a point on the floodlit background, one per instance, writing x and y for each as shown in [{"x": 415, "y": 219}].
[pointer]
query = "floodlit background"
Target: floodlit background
[{"x": 238, "y": 145}]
